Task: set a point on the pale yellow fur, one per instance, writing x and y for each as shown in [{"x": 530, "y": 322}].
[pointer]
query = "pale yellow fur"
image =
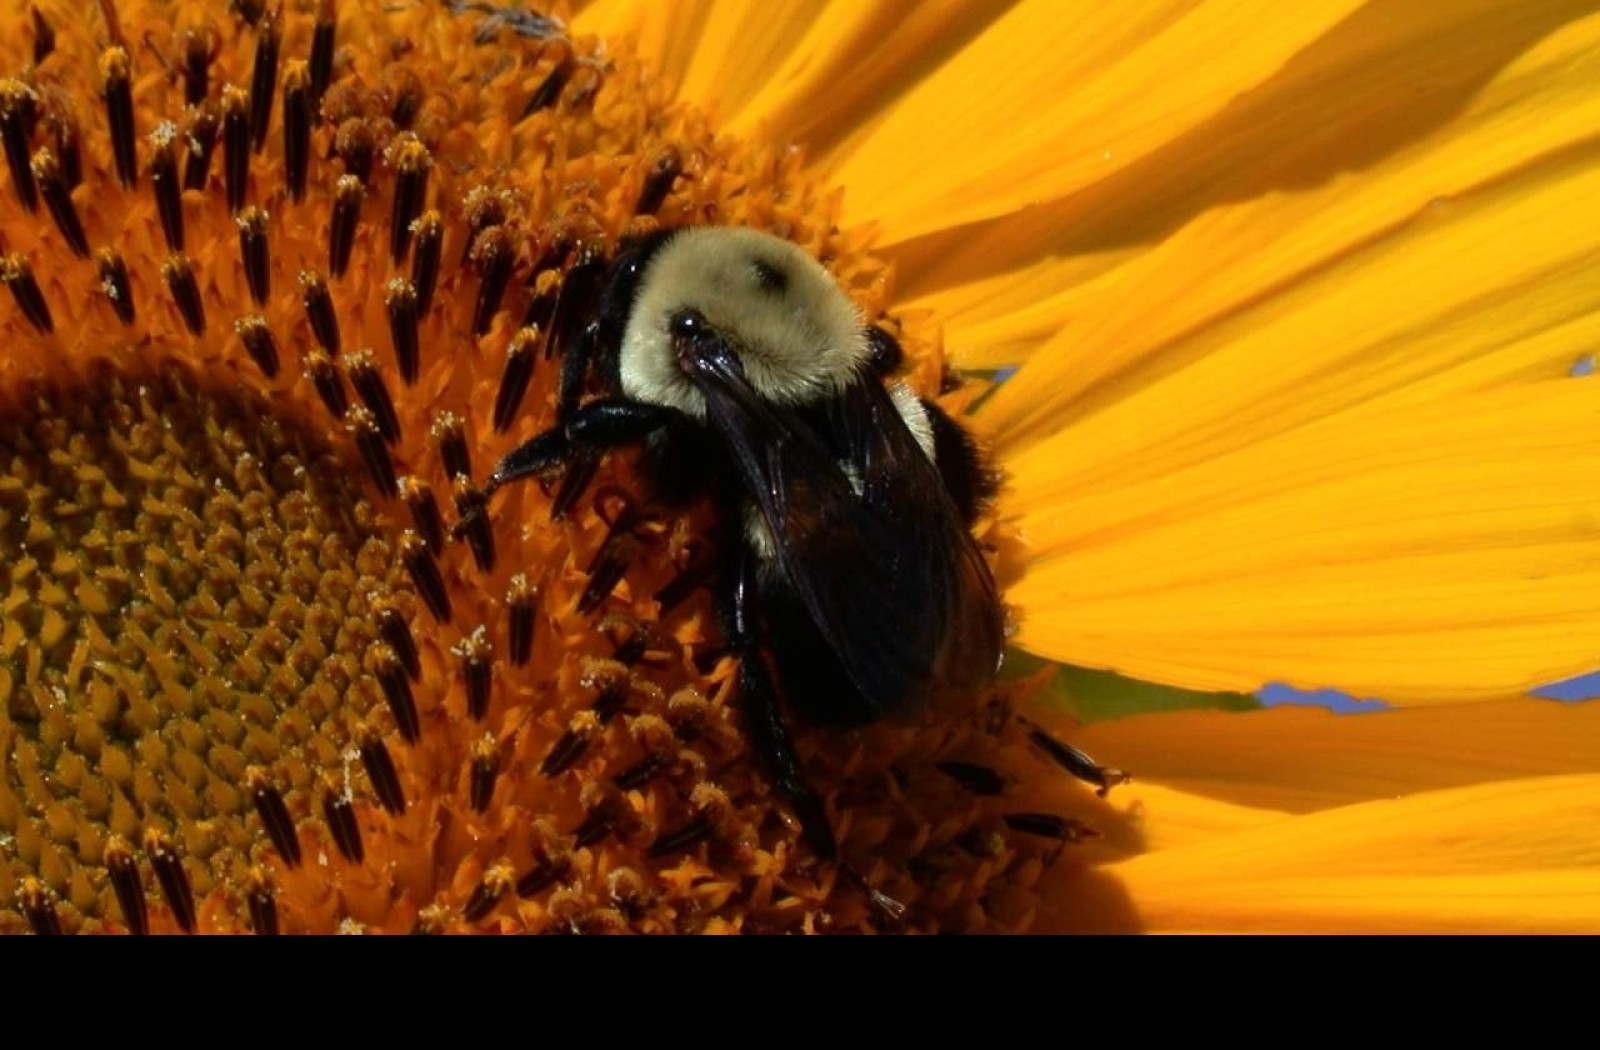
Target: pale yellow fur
[{"x": 797, "y": 345}]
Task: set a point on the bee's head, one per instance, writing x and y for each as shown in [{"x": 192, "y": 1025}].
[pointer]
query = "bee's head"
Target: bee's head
[{"x": 766, "y": 307}]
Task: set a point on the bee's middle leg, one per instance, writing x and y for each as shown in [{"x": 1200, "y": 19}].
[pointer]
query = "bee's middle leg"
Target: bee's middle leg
[{"x": 758, "y": 701}]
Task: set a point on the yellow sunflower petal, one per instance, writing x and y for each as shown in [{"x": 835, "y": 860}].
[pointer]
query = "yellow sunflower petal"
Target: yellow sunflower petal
[
  {"x": 1417, "y": 555},
  {"x": 1299, "y": 760},
  {"x": 664, "y": 34},
  {"x": 856, "y": 54},
  {"x": 803, "y": 72},
  {"x": 1343, "y": 149},
  {"x": 1519, "y": 856},
  {"x": 718, "y": 52},
  {"x": 1492, "y": 285},
  {"x": 1139, "y": 818},
  {"x": 1049, "y": 100}
]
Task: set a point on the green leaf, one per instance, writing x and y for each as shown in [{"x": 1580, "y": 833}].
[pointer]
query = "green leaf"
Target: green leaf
[{"x": 1097, "y": 696}]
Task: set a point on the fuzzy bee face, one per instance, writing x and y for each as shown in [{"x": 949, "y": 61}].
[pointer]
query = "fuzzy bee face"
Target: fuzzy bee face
[{"x": 798, "y": 337}]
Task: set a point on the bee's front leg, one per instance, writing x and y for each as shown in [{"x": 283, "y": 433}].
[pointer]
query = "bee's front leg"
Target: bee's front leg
[
  {"x": 538, "y": 455},
  {"x": 602, "y": 424}
]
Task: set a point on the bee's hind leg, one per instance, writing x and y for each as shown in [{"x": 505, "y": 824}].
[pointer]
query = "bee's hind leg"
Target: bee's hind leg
[{"x": 763, "y": 723}]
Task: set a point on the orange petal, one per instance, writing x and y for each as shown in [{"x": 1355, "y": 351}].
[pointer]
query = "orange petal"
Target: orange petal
[
  {"x": 1519, "y": 856},
  {"x": 1416, "y": 555},
  {"x": 1299, "y": 760}
]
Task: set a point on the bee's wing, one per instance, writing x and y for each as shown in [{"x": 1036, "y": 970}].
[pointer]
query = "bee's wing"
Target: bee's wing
[
  {"x": 950, "y": 581},
  {"x": 891, "y": 578}
]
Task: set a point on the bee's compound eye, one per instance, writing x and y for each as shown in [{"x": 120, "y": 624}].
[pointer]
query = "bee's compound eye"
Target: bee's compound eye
[
  {"x": 687, "y": 324},
  {"x": 884, "y": 352}
]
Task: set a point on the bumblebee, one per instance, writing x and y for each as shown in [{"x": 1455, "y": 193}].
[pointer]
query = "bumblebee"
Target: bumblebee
[{"x": 847, "y": 578}]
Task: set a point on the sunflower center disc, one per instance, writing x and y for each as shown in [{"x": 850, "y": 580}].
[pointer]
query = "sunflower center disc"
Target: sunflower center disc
[
  {"x": 247, "y": 680},
  {"x": 182, "y": 631}
]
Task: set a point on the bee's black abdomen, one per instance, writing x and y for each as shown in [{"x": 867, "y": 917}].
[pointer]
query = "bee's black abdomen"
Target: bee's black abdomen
[{"x": 818, "y": 688}]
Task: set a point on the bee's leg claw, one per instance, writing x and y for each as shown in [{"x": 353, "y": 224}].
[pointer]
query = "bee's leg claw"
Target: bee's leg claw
[{"x": 535, "y": 456}]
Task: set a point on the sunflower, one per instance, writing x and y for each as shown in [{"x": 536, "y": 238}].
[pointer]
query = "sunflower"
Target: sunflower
[{"x": 1297, "y": 297}]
